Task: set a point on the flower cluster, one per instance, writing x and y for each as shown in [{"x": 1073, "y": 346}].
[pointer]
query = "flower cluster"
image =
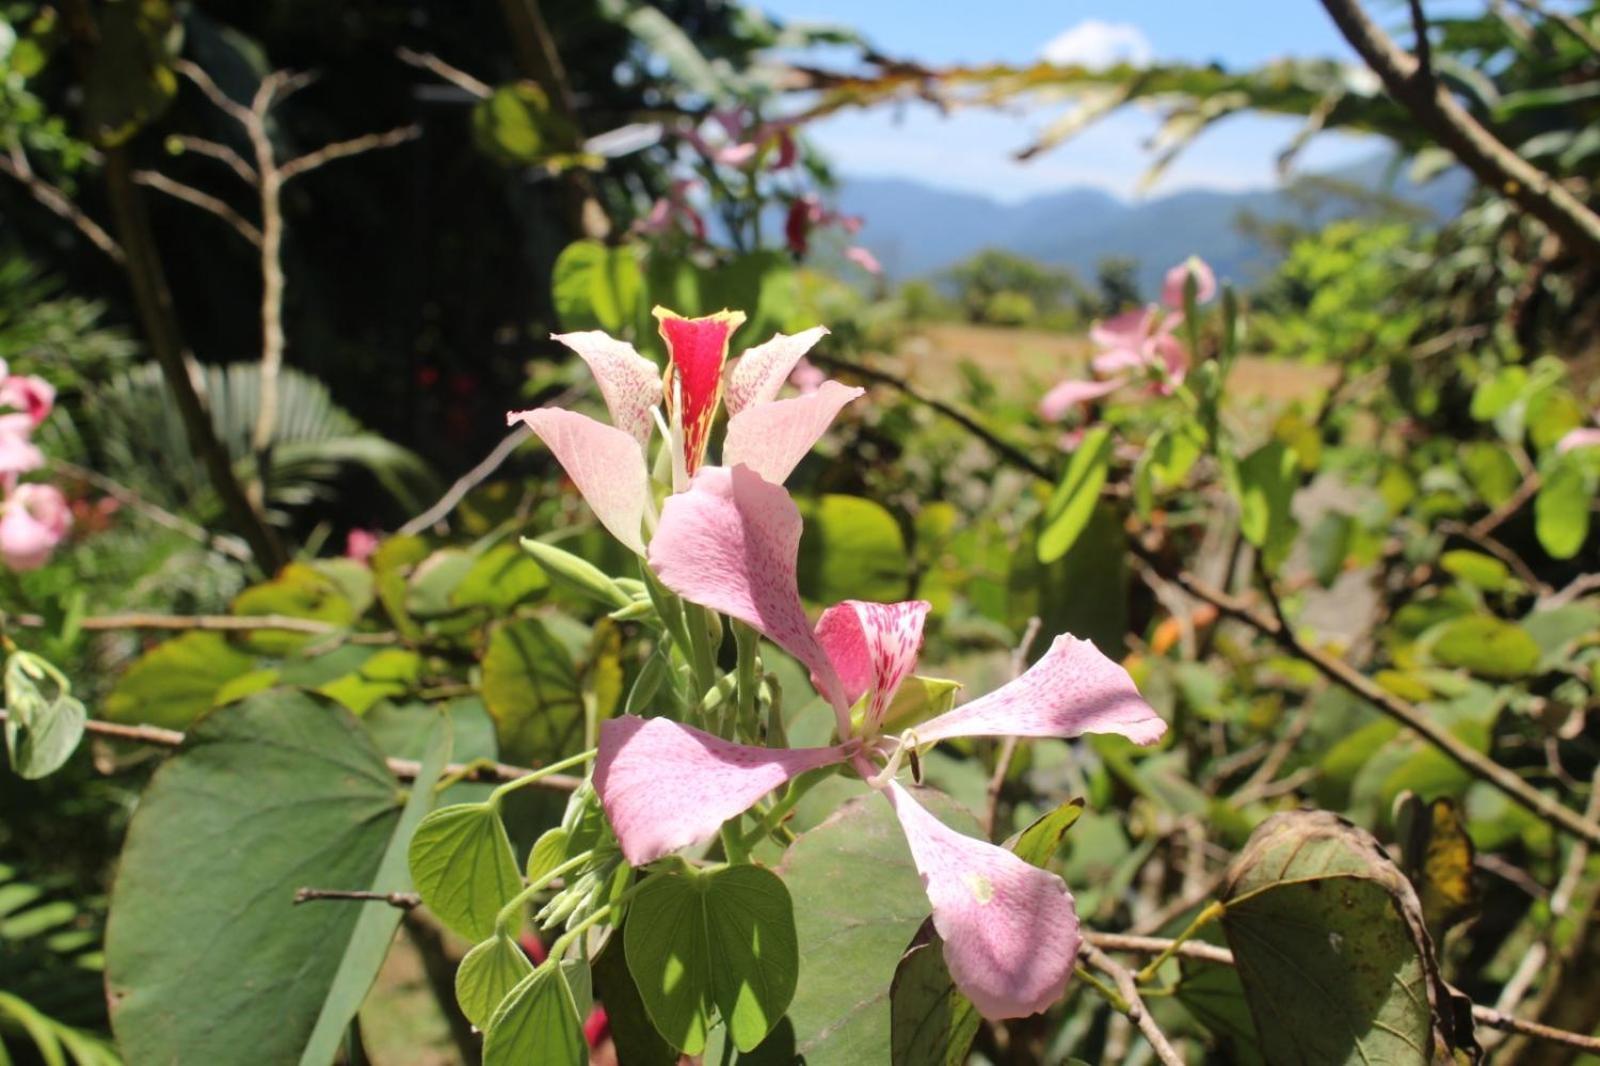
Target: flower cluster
[
  {"x": 33, "y": 517},
  {"x": 1138, "y": 345},
  {"x": 726, "y": 538}
]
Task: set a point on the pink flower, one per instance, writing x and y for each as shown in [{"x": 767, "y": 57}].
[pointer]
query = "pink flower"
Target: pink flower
[
  {"x": 1587, "y": 437},
  {"x": 1140, "y": 343},
  {"x": 672, "y": 212},
  {"x": 33, "y": 520},
  {"x": 18, "y": 453},
  {"x": 31, "y": 395},
  {"x": 360, "y": 544},
  {"x": 1205, "y": 282},
  {"x": 730, "y": 543},
  {"x": 864, "y": 259},
  {"x": 608, "y": 464}
]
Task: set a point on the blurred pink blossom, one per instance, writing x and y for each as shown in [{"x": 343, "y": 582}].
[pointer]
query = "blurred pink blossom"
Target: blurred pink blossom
[
  {"x": 1586, "y": 437},
  {"x": 1205, "y": 282},
  {"x": 359, "y": 544},
  {"x": 31, "y": 395},
  {"x": 806, "y": 377},
  {"x": 18, "y": 453},
  {"x": 33, "y": 520},
  {"x": 673, "y": 211},
  {"x": 864, "y": 259}
]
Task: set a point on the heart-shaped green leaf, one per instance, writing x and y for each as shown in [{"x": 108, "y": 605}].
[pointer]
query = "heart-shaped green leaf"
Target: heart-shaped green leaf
[{"x": 463, "y": 867}]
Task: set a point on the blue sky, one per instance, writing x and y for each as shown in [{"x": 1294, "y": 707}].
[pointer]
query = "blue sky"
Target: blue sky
[{"x": 971, "y": 150}]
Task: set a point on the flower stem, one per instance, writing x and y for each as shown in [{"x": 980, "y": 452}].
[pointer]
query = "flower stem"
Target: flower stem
[
  {"x": 1109, "y": 994},
  {"x": 748, "y": 645},
  {"x": 775, "y": 815},
  {"x": 544, "y": 771},
  {"x": 511, "y": 914},
  {"x": 1207, "y": 915}
]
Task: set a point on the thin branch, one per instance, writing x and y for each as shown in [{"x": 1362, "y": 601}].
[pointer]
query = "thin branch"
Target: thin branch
[
  {"x": 1527, "y": 490},
  {"x": 227, "y": 545},
  {"x": 354, "y": 146},
  {"x": 1480, "y": 151},
  {"x": 213, "y": 92},
  {"x": 1198, "y": 950},
  {"x": 404, "y": 769},
  {"x": 220, "y": 152},
  {"x": 468, "y": 481},
  {"x": 403, "y": 900},
  {"x": 445, "y": 72},
  {"x": 1424, "y": 47},
  {"x": 1511, "y": 1023},
  {"x": 1136, "y": 1010},
  {"x": 15, "y": 165},
  {"x": 154, "y": 179},
  {"x": 1489, "y": 544},
  {"x": 1348, "y": 677},
  {"x": 1008, "y": 746}
]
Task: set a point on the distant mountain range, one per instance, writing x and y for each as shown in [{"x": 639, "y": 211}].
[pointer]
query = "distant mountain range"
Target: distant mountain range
[{"x": 917, "y": 230}]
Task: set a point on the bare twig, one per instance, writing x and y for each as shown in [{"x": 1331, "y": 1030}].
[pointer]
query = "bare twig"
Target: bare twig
[
  {"x": 404, "y": 769},
  {"x": 1136, "y": 1010},
  {"x": 14, "y": 164},
  {"x": 1494, "y": 164},
  {"x": 205, "y": 201},
  {"x": 1424, "y": 47},
  {"x": 468, "y": 481},
  {"x": 345, "y": 149},
  {"x": 1198, "y": 950},
  {"x": 1008, "y": 746},
  {"x": 220, "y": 542},
  {"x": 220, "y": 152},
  {"x": 445, "y": 72},
  {"x": 1527, "y": 490},
  {"x": 403, "y": 900}
]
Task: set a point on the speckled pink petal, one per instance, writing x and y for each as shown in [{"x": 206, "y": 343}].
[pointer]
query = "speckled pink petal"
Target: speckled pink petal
[
  {"x": 762, "y": 370},
  {"x": 1069, "y": 394},
  {"x": 730, "y": 543},
  {"x": 873, "y": 647},
  {"x": 772, "y": 437},
  {"x": 1578, "y": 438},
  {"x": 1010, "y": 930},
  {"x": 605, "y": 463},
  {"x": 665, "y": 786},
  {"x": 630, "y": 383},
  {"x": 1073, "y": 689}
]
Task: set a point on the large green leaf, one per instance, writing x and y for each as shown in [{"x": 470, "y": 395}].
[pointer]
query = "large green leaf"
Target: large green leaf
[
  {"x": 719, "y": 943},
  {"x": 299, "y": 591},
  {"x": 537, "y": 1023},
  {"x": 530, "y": 686},
  {"x": 635, "y": 1036},
  {"x": 931, "y": 1023},
  {"x": 463, "y": 867},
  {"x": 174, "y": 682},
  {"x": 851, "y": 549},
  {"x": 858, "y": 903},
  {"x": 374, "y": 931},
  {"x": 1328, "y": 938},
  {"x": 207, "y": 957},
  {"x": 1074, "y": 499}
]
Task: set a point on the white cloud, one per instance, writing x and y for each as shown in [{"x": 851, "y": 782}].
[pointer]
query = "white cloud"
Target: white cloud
[{"x": 1096, "y": 44}]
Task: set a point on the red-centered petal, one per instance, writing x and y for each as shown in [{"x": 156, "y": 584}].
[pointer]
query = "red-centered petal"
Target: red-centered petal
[
  {"x": 696, "y": 350},
  {"x": 874, "y": 647},
  {"x": 1010, "y": 930},
  {"x": 32, "y": 395},
  {"x": 1205, "y": 282},
  {"x": 605, "y": 463},
  {"x": 771, "y": 438},
  {"x": 1073, "y": 689},
  {"x": 630, "y": 383},
  {"x": 665, "y": 786},
  {"x": 730, "y": 543},
  {"x": 761, "y": 371},
  {"x": 1069, "y": 394}
]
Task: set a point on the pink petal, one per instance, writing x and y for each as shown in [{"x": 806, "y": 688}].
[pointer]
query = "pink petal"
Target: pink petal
[
  {"x": 33, "y": 520},
  {"x": 696, "y": 349},
  {"x": 730, "y": 543},
  {"x": 772, "y": 438},
  {"x": 1127, "y": 330},
  {"x": 1073, "y": 689},
  {"x": 360, "y": 544},
  {"x": 630, "y": 383},
  {"x": 1010, "y": 930},
  {"x": 873, "y": 647},
  {"x": 1578, "y": 438},
  {"x": 761, "y": 371},
  {"x": 605, "y": 463},
  {"x": 807, "y": 378},
  {"x": 864, "y": 259},
  {"x": 1069, "y": 394},
  {"x": 736, "y": 155},
  {"x": 31, "y": 395},
  {"x": 665, "y": 786},
  {"x": 18, "y": 453},
  {"x": 1173, "y": 284}
]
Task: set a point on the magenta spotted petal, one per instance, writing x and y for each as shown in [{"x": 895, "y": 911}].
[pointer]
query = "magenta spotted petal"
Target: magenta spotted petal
[
  {"x": 1073, "y": 689},
  {"x": 762, "y": 370},
  {"x": 665, "y": 786},
  {"x": 605, "y": 463},
  {"x": 873, "y": 647},
  {"x": 1010, "y": 930},
  {"x": 630, "y": 383},
  {"x": 731, "y": 543},
  {"x": 772, "y": 437}
]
